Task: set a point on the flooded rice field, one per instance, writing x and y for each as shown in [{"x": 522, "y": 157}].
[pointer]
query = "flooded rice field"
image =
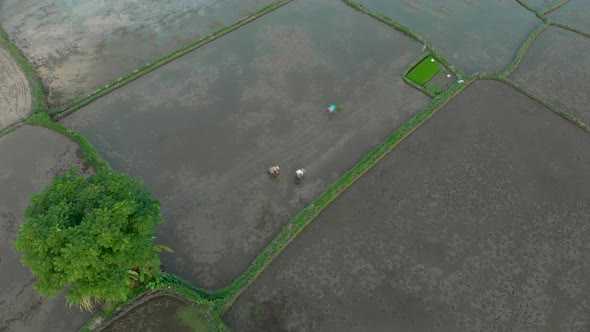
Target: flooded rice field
[
  {"x": 77, "y": 46},
  {"x": 475, "y": 36},
  {"x": 15, "y": 97},
  {"x": 478, "y": 221},
  {"x": 202, "y": 130},
  {"x": 541, "y": 5},
  {"x": 161, "y": 313},
  {"x": 556, "y": 68},
  {"x": 29, "y": 158},
  {"x": 575, "y": 13}
]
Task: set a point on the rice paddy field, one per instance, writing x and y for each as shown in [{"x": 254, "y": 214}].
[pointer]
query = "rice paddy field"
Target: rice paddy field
[
  {"x": 575, "y": 13},
  {"x": 451, "y": 195},
  {"x": 15, "y": 97},
  {"x": 476, "y": 36},
  {"x": 557, "y": 67},
  {"x": 79, "y": 46},
  {"x": 257, "y": 98},
  {"x": 476, "y": 222},
  {"x": 542, "y": 5}
]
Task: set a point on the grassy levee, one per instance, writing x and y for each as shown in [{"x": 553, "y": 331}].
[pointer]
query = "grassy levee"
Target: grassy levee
[
  {"x": 553, "y": 7},
  {"x": 11, "y": 128},
  {"x": 108, "y": 88},
  {"x": 224, "y": 298},
  {"x": 525, "y": 46},
  {"x": 526, "y": 92},
  {"x": 570, "y": 28},
  {"x": 165, "y": 284},
  {"x": 412, "y": 83},
  {"x": 409, "y": 32},
  {"x": 38, "y": 100},
  {"x": 90, "y": 154}
]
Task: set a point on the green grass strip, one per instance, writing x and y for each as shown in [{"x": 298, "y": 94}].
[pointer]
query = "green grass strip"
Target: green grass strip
[
  {"x": 568, "y": 116},
  {"x": 525, "y": 46},
  {"x": 110, "y": 87},
  {"x": 409, "y": 32},
  {"x": 226, "y": 297},
  {"x": 165, "y": 284},
  {"x": 570, "y": 28},
  {"x": 90, "y": 154},
  {"x": 553, "y": 7},
  {"x": 38, "y": 101}
]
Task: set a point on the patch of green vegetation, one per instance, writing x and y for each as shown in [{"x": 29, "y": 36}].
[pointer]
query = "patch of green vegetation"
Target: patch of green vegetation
[
  {"x": 224, "y": 298},
  {"x": 38, "y": 101},
  {"x": 192, "y": 319},
  {"x": 424, "y": 70},
  {"x": 90, "y": 154},
  {"x": 110, "y": 87},
  {"x": 72, "y": 238}
]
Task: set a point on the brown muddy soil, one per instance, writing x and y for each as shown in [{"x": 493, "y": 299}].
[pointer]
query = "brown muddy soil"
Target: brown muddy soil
[
  {"x": 575, "y": 13},
  {"x": 78, "y": 46},
  {"x": 474, "y": 35},
  {"x": 29, "y": 158},
  {"x": 476, "y": 222},
  {"x": 202, "y": 130},
  {"x": 557, "y": 68},
  {"x": 15, "y": 97}
]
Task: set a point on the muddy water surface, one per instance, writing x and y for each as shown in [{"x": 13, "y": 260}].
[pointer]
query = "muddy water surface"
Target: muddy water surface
[
  {"x": 162, "y": 313},
  {"x": 557, "y": 68},
  {"x": 575, "y": 13},
  {"x": 478, "y": 221},
  {"x": 202, "y": 130},
  {"x": 475, "y": 36},
  {"x": 78, "y": 45}
]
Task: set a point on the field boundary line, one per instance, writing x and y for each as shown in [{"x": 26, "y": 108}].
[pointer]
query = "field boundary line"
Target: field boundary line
[
  {"x": 165, "y": 285},
  {"x": 227, "y": 296},
  {"x": 11, "y": 127},
  {"x": 524, "y": 48},
  {"x": 38, "y": 100},
  {"x": 76, "y": 104},
  {"x": 570, "y": 28},
  {"x": 553, "y": 7},
  {"x": 408, "y": 32},
  {"x": 566, "y": 115},
  {"x": 90, "y": 154}
]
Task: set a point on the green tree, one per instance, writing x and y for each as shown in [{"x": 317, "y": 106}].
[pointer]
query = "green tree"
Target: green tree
[{"x": 92, "y": 236}]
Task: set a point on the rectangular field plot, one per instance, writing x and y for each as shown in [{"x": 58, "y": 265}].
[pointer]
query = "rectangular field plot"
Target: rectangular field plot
[
  {"x": 29, "y": 159},
  {"x": 77, "y": 46},
  {"x": 556, "y": 68},
  {"x": 575, "y": 13},
  {"x": 476, "y": 222},
  {"x": 202, "y": 130},
  {"x": 476, "y": 36}
]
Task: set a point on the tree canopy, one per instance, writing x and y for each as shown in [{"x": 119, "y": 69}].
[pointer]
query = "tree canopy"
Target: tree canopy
[{"x": 90, "y": 235}]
